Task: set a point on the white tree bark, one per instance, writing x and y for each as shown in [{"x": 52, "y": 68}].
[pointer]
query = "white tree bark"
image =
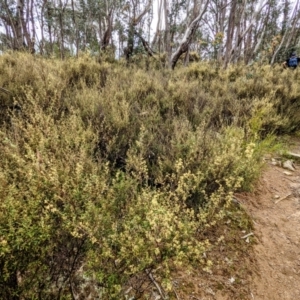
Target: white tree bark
[
  {"x": 260, "y": 6},
  {"x": 292, "y": 20},
  {"x": 188, "y": 35}
]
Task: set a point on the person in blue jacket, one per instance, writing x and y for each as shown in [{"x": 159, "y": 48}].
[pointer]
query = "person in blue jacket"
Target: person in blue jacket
[{"x": 292, "y": 62}]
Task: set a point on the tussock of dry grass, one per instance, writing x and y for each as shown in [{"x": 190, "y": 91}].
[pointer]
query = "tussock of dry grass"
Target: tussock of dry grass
[{"x": 121, "y": 170}]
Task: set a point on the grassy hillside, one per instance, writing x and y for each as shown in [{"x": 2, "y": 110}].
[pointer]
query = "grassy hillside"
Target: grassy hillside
[{"x": 111, "y": 174}]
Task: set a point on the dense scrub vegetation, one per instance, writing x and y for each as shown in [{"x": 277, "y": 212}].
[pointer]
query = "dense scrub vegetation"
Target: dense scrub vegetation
[{"x": 110, "y": 174}]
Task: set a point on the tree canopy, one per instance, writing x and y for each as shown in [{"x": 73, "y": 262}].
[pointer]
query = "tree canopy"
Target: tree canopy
[{"x": 221, "y": 30}]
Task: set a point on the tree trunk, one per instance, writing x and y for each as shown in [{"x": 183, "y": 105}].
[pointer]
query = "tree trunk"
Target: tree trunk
[
  {"x": 19, "y": 40},
  {"x": 187, "y": 38},
  {"x": 230, "y": 33},
  {"x": 133, "y": 22},
  {"x": 32, "y": 50},
  {"x": 76, "y": 28},
  {"x": 62, "y": 42},
  {"x": 107, "y": 34},
  {"x": 167, "y": 46},
  {"x": 158, "y": 24},
  {"x": 292, "y": 22}
]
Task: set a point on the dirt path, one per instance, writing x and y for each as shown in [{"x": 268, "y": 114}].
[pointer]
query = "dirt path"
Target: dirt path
[{"x": 275, "y": 209}]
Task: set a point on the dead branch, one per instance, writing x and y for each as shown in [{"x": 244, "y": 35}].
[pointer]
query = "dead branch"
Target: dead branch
[
  {"x": 283, "y": 198},
  {"x": 247, "y": 235},
  {"x": 148, "y": 272},
  {"x": 5, "y": 91},
  {"x": 187, "y": 38},
  {"x": 145, "y": 44},
  {"x": 296, "y": 155}
]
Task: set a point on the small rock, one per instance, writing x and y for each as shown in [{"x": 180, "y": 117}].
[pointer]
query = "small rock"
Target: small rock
[
  {"x": 295, "y": 187},
  {"x": 210, "y": 291},
  {"x": 274, "y": 162},
  {"x": 287, "y": 173},
  {"x": 289, "y": 165},
  {"x": 232, "y": 280},
  {"x": 276, "y": 196}
]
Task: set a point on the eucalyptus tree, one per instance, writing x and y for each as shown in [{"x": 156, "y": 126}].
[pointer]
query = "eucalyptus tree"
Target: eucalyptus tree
[
  {"x": 290, "y": 33},
  {"x": 134, "y": 14},
  {"x": 247, "y": 29},
  {"x": 227, "y": 31},
  {"x": 199, "y": 10},
  {"x": 18, "y": 22}
]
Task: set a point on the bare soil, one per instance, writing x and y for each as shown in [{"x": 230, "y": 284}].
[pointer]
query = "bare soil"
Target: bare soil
[
  {"x": 275, "y": 209},
  {"x": 263, "y": 261}
]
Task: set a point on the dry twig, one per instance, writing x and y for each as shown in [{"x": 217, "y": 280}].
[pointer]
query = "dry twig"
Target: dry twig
[
  {"x": 5, "y": 91},
  {"x": 148, "y": 272},
  {"x": 285, "y": 197}
]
